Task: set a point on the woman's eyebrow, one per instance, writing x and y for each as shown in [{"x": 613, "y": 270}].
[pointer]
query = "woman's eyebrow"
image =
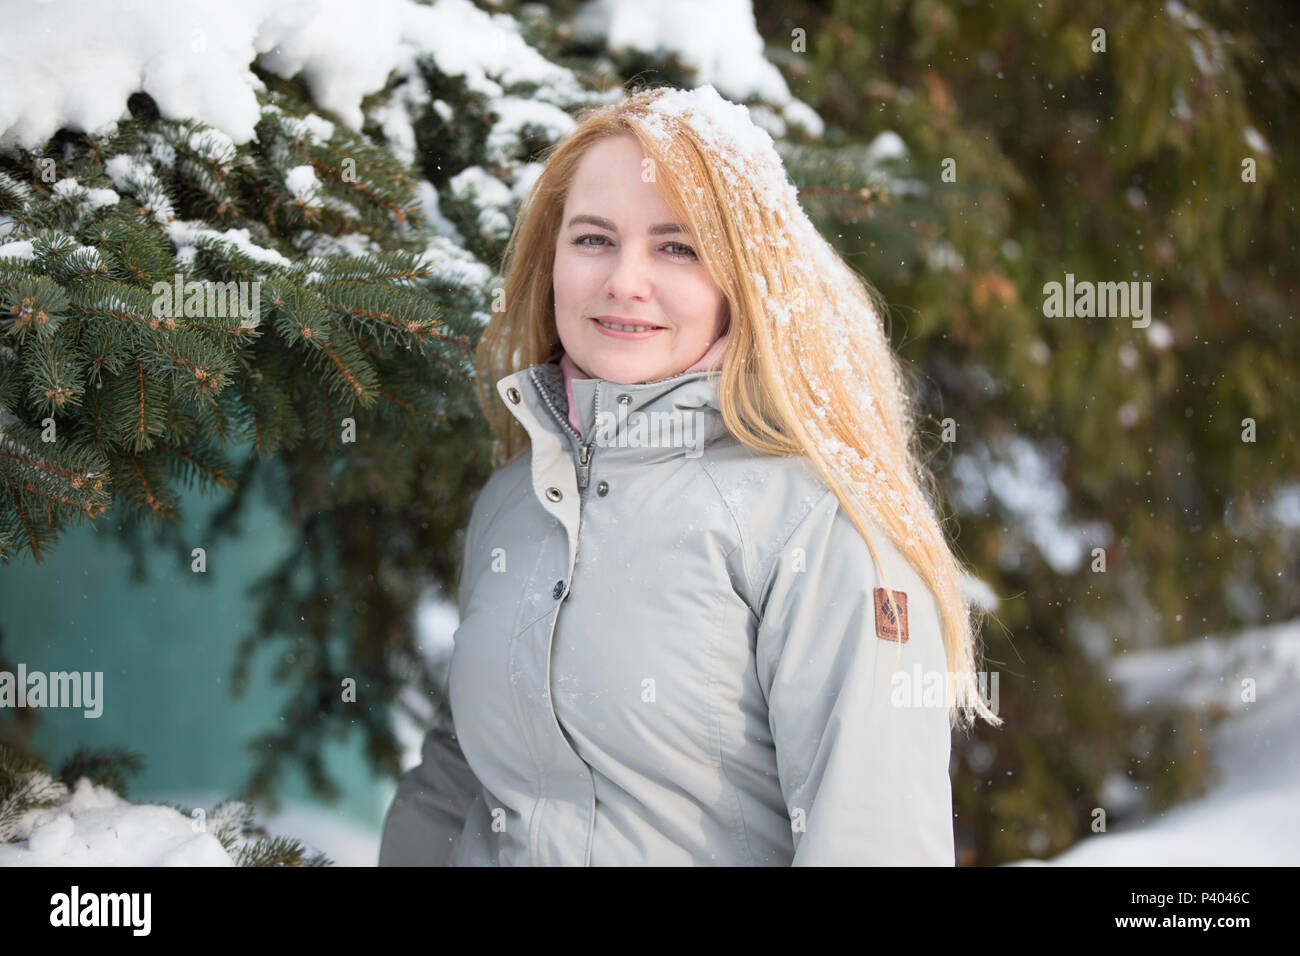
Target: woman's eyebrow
[{"x": 664, "y": 228}]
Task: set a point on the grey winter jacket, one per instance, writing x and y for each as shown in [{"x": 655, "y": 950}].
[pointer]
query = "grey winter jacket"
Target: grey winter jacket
[{"x": 670, "y": 653}]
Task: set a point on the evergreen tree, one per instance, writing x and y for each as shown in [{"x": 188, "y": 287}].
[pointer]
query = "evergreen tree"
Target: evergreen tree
[{"x": 349, "y": 390}]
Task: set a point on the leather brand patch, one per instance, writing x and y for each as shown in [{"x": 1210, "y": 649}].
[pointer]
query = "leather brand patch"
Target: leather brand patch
[{"x": 891, "y": 620}]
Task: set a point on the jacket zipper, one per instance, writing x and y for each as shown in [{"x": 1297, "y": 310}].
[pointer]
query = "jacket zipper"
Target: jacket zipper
[{"x": 584, "y": 451}]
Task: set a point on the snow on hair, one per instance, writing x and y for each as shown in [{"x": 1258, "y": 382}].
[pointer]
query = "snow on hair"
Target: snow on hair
[{"x": 809, "y": 369}]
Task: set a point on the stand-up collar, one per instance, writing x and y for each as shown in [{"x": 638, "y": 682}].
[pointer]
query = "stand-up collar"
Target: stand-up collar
[{"x": 681, "y": 411}]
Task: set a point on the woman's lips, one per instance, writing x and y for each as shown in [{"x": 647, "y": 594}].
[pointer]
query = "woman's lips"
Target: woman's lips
[{"x": 620, "y": 334}]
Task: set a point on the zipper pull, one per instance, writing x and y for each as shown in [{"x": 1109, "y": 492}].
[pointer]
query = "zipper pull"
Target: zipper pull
[{"x": 584, "y": 465}]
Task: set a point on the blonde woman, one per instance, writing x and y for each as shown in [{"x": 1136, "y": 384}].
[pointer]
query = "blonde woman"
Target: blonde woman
[{"x": 708, "y": 616}]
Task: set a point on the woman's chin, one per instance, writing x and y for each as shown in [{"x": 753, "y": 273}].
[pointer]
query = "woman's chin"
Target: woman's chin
[{"x": 621, "y": 369}]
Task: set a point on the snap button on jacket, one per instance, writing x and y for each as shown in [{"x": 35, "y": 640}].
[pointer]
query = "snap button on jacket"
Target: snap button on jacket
[{"x": 681, "y": 668}]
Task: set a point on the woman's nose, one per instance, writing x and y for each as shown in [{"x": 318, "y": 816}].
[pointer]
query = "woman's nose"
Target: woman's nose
[{"x": 629, "y": 276}]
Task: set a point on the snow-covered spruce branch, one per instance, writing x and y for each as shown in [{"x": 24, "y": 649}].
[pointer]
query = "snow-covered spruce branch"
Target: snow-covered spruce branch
[{"x": 79, "y": 817}]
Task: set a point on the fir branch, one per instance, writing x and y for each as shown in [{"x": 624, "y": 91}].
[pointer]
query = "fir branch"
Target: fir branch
[
  {"x": 258, "y": 445},
  {"x": 13, "y": 271},
  {"x": 362, "y": 392},
  {"x": 150, "y": 498},
  {"x": 34, "y": 540},
  {"x": 206, "y": 379},
  {"x": 76, "y": 478},
  {"x": 413, "y": 326},
  {"x": 399, "y": 211},
  {"x": 216, "y": 474},
  {"x": 39, "y": 304},
  {"x": 248, "y": 844},
  {"x": 220, "y": 423},
  {"x": 232, "y": 821},
  {"x": 54, "y": 373},
  {"x": 278, "y": 851},
  {"x": 91, "y": 508},
  {"x": 105, "y": 768},
  {"x": 104, "y": 297},
  {"x": 14, "y": 193},
  {"x": 25, "y": 785},
  {"x": 141, "y": 255},
  {"x": 373, "y": 267}
]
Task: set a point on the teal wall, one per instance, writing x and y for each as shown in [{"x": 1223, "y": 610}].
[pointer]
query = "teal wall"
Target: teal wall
[{"x": 166, "y": 649}]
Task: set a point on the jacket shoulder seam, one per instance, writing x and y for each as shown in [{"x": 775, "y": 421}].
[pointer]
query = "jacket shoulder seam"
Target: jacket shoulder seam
[
  {"x": 740, "y": 531},
  {"x": 776, "y": 554}
]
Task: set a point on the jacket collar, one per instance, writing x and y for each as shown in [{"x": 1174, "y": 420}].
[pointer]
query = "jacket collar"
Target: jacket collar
[{"x": 623, "y": 418}]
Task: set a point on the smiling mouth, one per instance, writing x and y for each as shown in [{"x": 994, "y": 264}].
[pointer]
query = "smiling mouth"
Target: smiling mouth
[{"x": 621, "y": 327}]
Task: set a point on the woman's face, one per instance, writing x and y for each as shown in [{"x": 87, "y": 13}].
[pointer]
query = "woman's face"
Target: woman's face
[{"x": 621, "y": 257}]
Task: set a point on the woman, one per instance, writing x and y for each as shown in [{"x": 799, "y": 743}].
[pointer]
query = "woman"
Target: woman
[{"x": 703, "y": 592}]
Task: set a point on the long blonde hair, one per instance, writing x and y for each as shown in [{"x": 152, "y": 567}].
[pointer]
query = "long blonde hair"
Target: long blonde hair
[{"x": 808, "y": 370}]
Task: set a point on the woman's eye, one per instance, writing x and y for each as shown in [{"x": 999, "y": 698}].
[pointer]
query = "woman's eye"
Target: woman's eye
[{"x": 685, "y": 249}]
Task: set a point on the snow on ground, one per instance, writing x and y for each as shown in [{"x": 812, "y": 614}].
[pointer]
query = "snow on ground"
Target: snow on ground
[
  {"x": 1248, "y": 817},
  {"x": 321, "y": 828},
  {"x": 93, "y": 826}
]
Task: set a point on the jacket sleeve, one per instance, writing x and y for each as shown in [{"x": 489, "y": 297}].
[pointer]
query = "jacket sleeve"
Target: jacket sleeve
[
  {"x": 864, "y": 778},
  {"x": 425, "y": 820}
]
